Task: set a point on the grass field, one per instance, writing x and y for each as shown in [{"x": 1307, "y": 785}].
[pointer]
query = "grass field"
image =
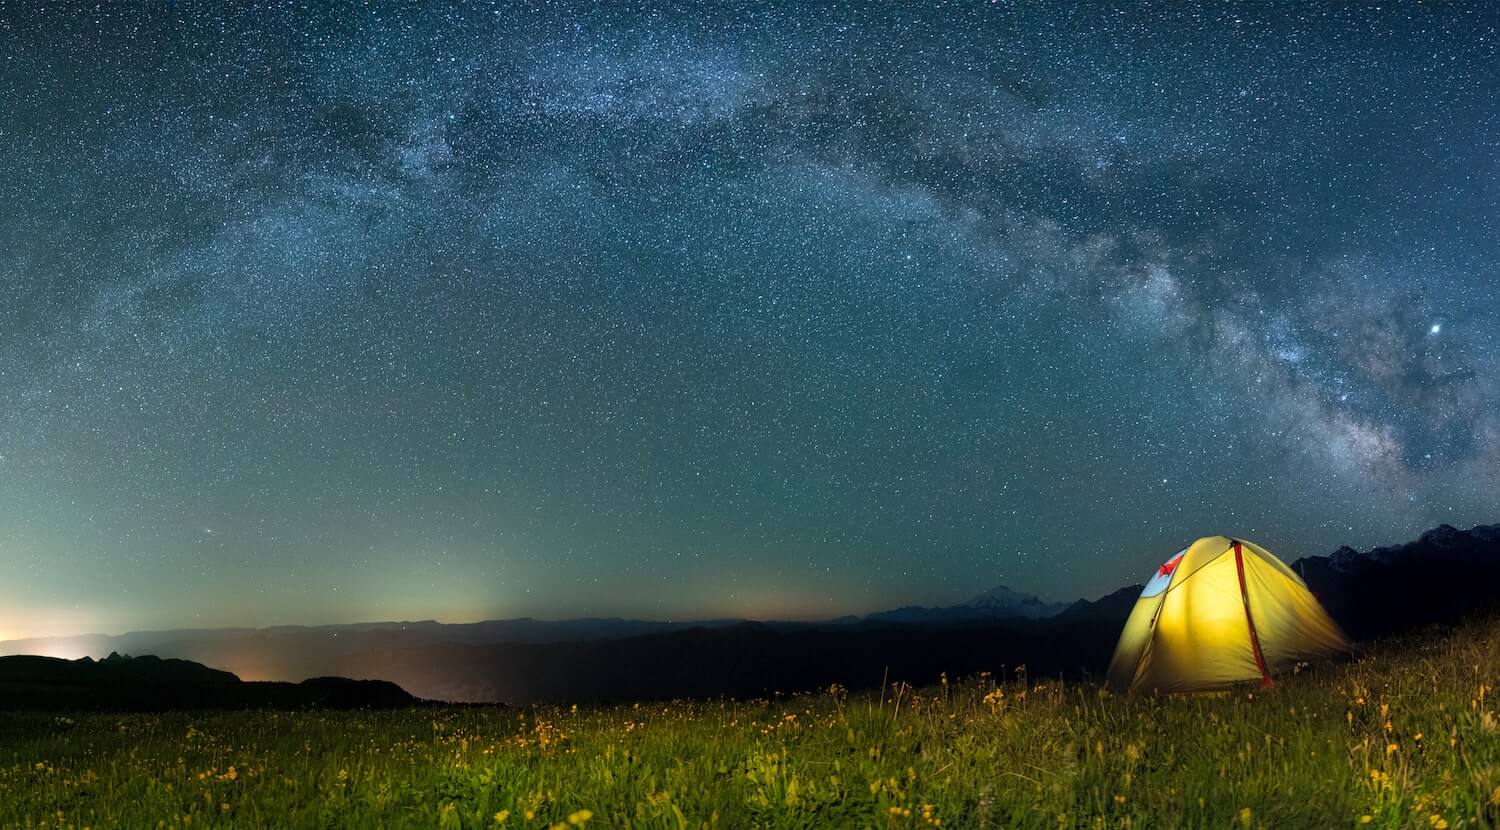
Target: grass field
[{"x": 1407, "y": 736}]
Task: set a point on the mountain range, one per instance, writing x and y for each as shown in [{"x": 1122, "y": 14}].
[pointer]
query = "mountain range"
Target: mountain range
[
  {"x": 1438, "y": 578},
  {"x": 260, "y": 652}
]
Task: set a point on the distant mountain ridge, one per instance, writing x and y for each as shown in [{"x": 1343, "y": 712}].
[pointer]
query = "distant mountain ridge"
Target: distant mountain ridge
[
  {"x": 1440, "y": 577},
  {"x": 999, "y": 602},
  {"x": 252, "y": 647}
]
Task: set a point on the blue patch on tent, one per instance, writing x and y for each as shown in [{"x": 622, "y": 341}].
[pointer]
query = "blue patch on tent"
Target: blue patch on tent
[{"x": 1163, "y": 576}]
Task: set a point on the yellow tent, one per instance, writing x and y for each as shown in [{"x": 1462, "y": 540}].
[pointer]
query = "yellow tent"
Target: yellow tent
[{"x": 1221, "y": 611}]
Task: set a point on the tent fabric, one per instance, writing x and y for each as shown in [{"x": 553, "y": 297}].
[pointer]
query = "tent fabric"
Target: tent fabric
[{"x": 1221, "y": 612}]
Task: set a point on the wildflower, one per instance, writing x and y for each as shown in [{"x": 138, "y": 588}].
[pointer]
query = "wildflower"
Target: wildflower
[
  {"x": 1391, "y": 748},
  {"x": 580, "y": 818},
  {"x": 1366, "y": 819},
  {"x": 1245, "y": 817},
  {"x": 502, "y": 816},
  {"x": 996, "y": 698}
]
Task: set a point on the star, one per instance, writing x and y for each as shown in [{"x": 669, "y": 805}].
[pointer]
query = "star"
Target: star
[{"x": 531, "y": 309}]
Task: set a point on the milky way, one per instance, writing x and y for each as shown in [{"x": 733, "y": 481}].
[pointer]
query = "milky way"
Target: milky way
[{"x": 727, "y": 310}]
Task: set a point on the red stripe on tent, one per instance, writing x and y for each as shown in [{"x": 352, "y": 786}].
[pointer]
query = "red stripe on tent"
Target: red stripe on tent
[{"x": 1260, "y": 660}]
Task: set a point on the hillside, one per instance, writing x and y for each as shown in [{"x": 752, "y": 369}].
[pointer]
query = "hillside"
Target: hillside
[
  {"x": 153, "y": 684},
  {"x": 1404, "y": 737}
]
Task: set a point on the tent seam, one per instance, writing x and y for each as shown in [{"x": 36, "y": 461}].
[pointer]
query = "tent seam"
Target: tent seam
[{"x": 1194, "y": 572}]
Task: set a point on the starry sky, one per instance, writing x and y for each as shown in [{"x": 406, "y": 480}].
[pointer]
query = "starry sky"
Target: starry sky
[{"x": 779, "y": 311}]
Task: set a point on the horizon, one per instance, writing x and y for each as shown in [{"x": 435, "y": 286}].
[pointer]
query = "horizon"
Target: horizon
[
  {"x": 751, "y": 312},
  {"x": 810, "y": 619}
]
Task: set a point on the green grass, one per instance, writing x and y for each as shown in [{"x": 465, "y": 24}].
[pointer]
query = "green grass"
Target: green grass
[{"x": 1405, "y": 737}]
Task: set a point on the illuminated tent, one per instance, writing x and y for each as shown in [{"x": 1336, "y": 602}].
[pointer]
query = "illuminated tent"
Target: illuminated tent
[{"x": 1219, "y": 612}]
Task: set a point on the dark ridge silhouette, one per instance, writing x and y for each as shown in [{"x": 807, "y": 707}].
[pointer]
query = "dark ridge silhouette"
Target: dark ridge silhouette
[
  {"x": 1111, "y": 608},
  {"x": 150, "y": 684},
  {"x": 1442, "y": 577}
]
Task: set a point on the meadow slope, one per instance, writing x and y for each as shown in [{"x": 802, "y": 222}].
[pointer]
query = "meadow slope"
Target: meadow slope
[{"x": 1406, "y": 736}]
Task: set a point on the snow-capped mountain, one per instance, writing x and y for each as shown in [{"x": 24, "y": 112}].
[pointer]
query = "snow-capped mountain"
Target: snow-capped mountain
[
  {"x": 996, "y": 603},
  {"x": 1005, "y": 602}
]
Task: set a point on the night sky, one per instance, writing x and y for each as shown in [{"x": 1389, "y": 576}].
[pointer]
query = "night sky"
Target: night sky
[{"x": 775, "y": 311}]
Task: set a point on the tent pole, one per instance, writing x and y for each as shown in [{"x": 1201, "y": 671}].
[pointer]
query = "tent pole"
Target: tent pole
[{"x": 1260, "y": 660}]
